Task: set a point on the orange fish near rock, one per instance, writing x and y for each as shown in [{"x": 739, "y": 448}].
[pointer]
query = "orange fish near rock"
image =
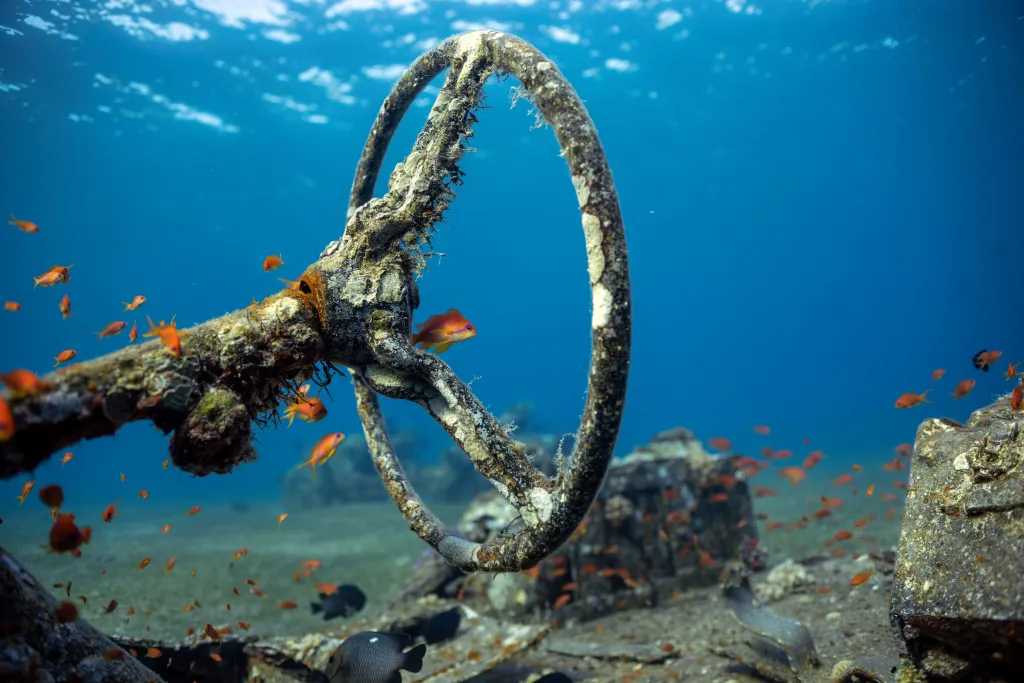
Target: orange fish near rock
[
  {"x": 168, "y": 334},
  {"x": 306, "y": 409},
  {"x": 24, "y": 226},
  {"x": 65, "y": 356},
  {"x": 909, "y": 400},
  {"x": 440, "y": 331},
  {"x": 65, "y": 308},
  {"x": 1016, "y": 402},
  {"x": 963, "y": 389},
  {"x": 6, "y": 421},
  {"x": 326, "y": 447},
  {"x": 23, "y": 382},
  {"x": 113, "y": 328},
  {"x": 938, "y": 374},
  {"x": 272, "y": 263}
]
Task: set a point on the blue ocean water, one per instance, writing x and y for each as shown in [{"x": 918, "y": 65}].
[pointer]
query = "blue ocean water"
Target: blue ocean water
[{"x": 821, "y": 200}]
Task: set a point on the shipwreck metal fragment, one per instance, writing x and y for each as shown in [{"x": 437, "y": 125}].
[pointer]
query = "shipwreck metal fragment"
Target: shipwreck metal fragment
[
  {"x": 354, "y": 307},
  {"x": 789, "y": 635},
  {"x": 958, "y": 596}
]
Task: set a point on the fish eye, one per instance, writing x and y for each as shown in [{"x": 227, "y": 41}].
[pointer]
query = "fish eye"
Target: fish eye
[{"x": 469, "y": 328}]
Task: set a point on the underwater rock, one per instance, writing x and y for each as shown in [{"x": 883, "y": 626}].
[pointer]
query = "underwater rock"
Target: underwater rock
[
  {"x": 36, "y": 646},
  {"x": 669, "y": 514},
  {"x": 958, "y": 597}
]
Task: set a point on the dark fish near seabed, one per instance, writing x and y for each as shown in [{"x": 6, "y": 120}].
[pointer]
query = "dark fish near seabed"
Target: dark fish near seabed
[
  {"x": 441, "y": 626},
  {"x": 371, "y": 657},
  {"x": 344, "y": 602}
]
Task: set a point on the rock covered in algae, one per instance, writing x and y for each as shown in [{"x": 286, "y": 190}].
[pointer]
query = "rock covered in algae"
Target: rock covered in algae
[{"x": 958, "y": 593}]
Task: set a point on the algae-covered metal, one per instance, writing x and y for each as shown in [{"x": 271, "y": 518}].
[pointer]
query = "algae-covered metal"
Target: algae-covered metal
[{"x": 958, "y": 592}]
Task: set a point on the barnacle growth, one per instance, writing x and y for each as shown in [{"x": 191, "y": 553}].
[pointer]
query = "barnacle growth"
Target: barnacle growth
[{"x": 353, "y": 307}]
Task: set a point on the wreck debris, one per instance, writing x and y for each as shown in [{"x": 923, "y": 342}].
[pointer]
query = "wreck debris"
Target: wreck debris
[
  {"x": 667, "y": 518},
  {"x": 36, "y": 645},
  {"x": 354, "y": 307},
  {"x": 958, "y": 598},
  {"x": 789, "y": 635}
]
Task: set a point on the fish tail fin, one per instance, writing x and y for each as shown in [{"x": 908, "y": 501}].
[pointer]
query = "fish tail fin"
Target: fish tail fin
[
  {"x": 36, "y": 281},
  {"x": 414, "y": 659},
  {"x": 316, "y": 607},
  {"x": 923, "y": 399}
]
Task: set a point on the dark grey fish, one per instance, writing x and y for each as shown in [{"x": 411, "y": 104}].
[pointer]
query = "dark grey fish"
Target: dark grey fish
[
  {"x": 441, "y": 626},
  {"x": 371, "y": 657},
  {"x": 556, "y": 677},
  {"x": 344, "y": 602}
]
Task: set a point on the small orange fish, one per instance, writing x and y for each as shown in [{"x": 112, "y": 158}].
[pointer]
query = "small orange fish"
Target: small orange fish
[
  {"x": 66, "y": 459},
  {"x": 113, "y": 328},
  {"x": 170, "y": 565},
  {"x": 1016, "y": 402},
  {"x": 52, "y": 497},
  {"x": 6, "y": 421},
  {"x": 136, "y": 302},
  {"x": 166, "y": 463},
  {"x": 1011, "y": 371},
  {"x": 842, "y": 479},
  {"x": 281, "y": 517},
  {"x": 861, "y": 578},
  {"x": 272, "y": 263},
  {"x": 166, "y": 528},
  {"x": 794, "y": 475},
  {"x": 108, "y": 514},
  {"x": 763, "y": 430},
  {"x": 58, "y": 275},
  {"x": 133, "y": 333},
  {"x": 244, "y": 625},
  {"x": 813, "y": 458},
  {"x": 312, "y": 564},
  {"x": 286, "y": 604},
  {"x": 12, "y": 306},
  {"x": 143, "y": 564},
  {"x": 440, "y": 331},
  {"x": 25, "y": 490},
  {"x": 938, "y": 374},
  {"x": 23, "y": 382},
  {"x": 65, "y": 307},
  {"x": 984, "y": 359},
  {"x": 323, "y": 450},
  {"x": 963, "y": 389},
  {"x": 764, "y": 492},
  {"x": 870, "y": 491},
  {"x": 306, "y": 409},
  {"x": 143, "y": 494},
  {"x": 24, "y": 226},
  {"x": 168, "y": 334},
  {"x": 720, "y": 443},
  {"x": 64, "y": 356},
  {"x": 123, "y": 478},
  {"x": 193, "y": 510},
  {"x": 842, "y": 535},
  {"x": 910, "y": 400}
]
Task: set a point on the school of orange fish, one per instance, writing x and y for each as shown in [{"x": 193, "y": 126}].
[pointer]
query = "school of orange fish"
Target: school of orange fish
[{"x": 437, "y": 334}]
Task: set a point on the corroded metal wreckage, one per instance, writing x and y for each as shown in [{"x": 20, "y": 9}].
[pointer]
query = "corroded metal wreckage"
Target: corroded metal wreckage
[{"x": 353, "y": 307}]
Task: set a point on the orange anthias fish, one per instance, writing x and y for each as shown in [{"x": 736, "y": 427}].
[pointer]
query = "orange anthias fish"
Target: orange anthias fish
[
  {"x": 108, "y": 514},
  {"x": 23, "y": 382},
  {"x": 6, "y": 421},
  {"x": 324, "y": 449},
  {"x": 58, "y": 275},
  {"x": 65, "y": 356},
  {"x": 113, "y": 328},
  {"x": 1011, "y": 371},
  {"x": 25, "y": 490},
  {"x": 65, "y": 307},
  {"x": 12, "y": 306},
  {"x": 1016, "y": 402},
  {"x": 983, "y": 359},
  {"x": 938, "y": 374},
  {"x": 24, "y": 226},
  {"x": 272, "y": 263},
  {"x": 963, "y": 389},
  {"x": 306, "y": 409},
  {"x": 168, "y": 334},
  {"x": 909, "y": 400},
  {"x": 136, "y": 302},
  {"x": 66, "y": 459},
  {"x": 441, "y": 331}
]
